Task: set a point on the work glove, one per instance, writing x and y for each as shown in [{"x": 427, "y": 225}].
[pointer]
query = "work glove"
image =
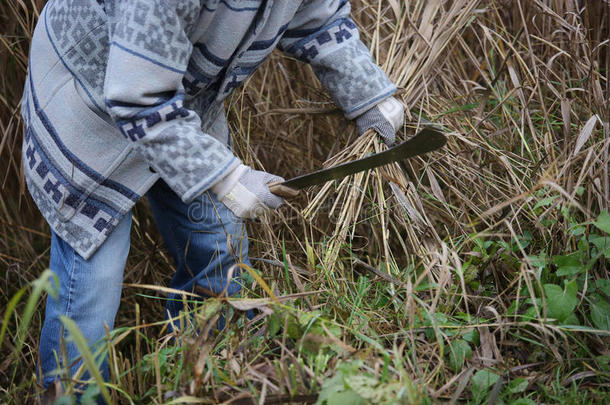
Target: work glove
[
  {"x": 385, "y": 118},
  {"x": 245, "y": 192}
]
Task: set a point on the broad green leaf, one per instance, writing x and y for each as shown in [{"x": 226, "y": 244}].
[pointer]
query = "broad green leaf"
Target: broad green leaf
[
  {"x": 530, "y": 314},
  {"x": 463, "y": 316},
  {"x": 335, "y": 389},
  {"x": 561, "y": 302},
  {"x": 306, "y": 319},
  {"x": 600, "y": 313},
  {"x": 274, "y": 323},
  {"x": 602, "y": 244},
  {"x": 471, "y": 336},
  {"x": 603, "y": 222},
  {"x": 571, "y": 320},
  {"x": 364, "y": 385},
  {"x": 578, "y": 230},
  {"x": 64, "y": 400},
  {"x": 517, "y": 385},
  {"x": 568, "y": 265},
  {"x": 459, "y": 351},
  {"x": 90, "y": 395},
  {"x": 482, "y": 381},
  {"x": 604, "y": 286},
  {"x": 512, "y": 309},
  {"x": 330, "y": 387},
  {"x": 545, "y": 202},
  {"x": 538, "y": 261},
  {"x": 343, "y": 398},
  {"x": 524, "y": 241},
  {"x": 293, "y": 329}
]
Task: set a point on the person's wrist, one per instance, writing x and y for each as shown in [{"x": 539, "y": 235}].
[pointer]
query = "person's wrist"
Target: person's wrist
[
  {"x": 393, "y": 111},
  {"x": 386, "y": 118},
  {"x": 228, "y": 181}
]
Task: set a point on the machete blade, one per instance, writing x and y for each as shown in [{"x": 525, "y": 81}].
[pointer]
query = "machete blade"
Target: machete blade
[{"x": 427, "y": 140}]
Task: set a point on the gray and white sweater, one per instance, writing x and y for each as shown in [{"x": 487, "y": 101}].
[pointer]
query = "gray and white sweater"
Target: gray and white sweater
[{"x": 122, "y": 92}]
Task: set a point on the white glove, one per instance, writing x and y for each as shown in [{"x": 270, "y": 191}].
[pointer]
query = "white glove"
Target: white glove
[
  {"x": 245, "y": 192},
  {"x": 385, "y": 118}
]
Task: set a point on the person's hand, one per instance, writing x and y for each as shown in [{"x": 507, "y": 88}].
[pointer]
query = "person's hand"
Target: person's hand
[
  {"x": 245, "y": 192},
  {"x": 385, "y": 118}
]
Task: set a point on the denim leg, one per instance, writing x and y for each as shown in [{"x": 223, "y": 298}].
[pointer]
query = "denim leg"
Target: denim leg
[
  {"x": 204, "y": 238},
  {"x": 89, "y": 294}
]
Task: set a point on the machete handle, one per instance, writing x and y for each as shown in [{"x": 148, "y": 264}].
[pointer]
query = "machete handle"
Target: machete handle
[{"x": 281, "y": 190}]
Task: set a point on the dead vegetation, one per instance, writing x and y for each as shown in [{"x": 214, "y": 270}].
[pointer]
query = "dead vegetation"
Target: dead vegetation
[{"x": 478, "y": 273}]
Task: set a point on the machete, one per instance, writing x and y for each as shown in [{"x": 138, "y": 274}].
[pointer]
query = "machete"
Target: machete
[{"x": 426, "y": 140}]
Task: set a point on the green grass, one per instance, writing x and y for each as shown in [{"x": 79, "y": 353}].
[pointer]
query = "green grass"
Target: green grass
[
  {"x": 357, "y": 347},
  {"x": 490, "y": 285}
]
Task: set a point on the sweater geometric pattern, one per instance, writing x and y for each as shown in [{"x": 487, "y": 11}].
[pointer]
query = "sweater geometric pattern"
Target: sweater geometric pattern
[{"x": 121, "y": 93}]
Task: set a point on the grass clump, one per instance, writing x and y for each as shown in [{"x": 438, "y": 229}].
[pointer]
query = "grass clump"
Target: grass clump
[{"x": 477, "y": 274}]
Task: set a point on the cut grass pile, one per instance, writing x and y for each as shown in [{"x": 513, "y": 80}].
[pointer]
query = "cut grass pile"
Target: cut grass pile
[{"x": 475, "y": 274}]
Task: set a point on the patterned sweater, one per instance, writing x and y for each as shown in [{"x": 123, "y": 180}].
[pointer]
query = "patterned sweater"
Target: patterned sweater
[{"x": 122, "y": 92}]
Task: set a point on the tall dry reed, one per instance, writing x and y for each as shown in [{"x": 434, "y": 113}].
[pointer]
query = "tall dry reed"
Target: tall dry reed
[{"x": 520, "y": 88}]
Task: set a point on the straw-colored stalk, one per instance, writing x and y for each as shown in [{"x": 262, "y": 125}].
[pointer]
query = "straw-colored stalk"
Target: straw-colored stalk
[{"x": 429, "y": 27}]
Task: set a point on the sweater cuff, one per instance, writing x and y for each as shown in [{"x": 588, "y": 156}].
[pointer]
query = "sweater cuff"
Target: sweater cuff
[
  {"x": 366, "y": 105},
  {"x": 206, "y": 184}
]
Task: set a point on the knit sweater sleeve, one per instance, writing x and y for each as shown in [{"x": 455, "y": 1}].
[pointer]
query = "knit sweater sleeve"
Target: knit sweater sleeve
[
  {"x": 149, "y": 54},
  {"x": 323, "y": 35}
]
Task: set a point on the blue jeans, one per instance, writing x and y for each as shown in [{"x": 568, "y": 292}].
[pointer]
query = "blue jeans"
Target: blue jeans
[{"x": 197, "y": 237}]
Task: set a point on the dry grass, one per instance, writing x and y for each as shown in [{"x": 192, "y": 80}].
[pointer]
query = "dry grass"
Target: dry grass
[{"x": 386, "y": 272}]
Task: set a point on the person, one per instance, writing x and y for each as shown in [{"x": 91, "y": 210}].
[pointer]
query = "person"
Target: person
[{"x": 124, "y": 98}]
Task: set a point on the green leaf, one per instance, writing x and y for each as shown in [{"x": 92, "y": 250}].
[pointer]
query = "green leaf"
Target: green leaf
[
  {"x": 545, "y": 202},
  {"x": 306, "y": 319},
  {"x": 364, "y": 385},
  {"x": 568, "y": 265},
  {"x": 330, "y": 387},
  {"x": 471, "y": 336},
  {"x": 560, "y": 303},
  {"x": 459, "y": 351},
  {"x": 530, "y": 314},
  {"x": 90, "y": 395},
  {"x": 538, "y": 261},
  {"x": 48, "y": 282},
  {"x": 578, "y": 230},
  {"x": 602, "y": 244},
  {"x": 603, "y": 222},
  {"x": 209, "y": 308},
  {"x": 517, "y": 385},
  {"x": 522, "y": 401},
  {"x": 426, "y": 286},
  {"x": 604, "y": 362},
  {"x": 9, "y": 311},
  {"x": 600, "y": 313},
  {"x": 83, "y": 348},
  {"x": 335, "y": 391},
  {"x": 344, "y": 397},
  {"x": 482, "y": 381},
  {"x": 571, "y": 320},
  {"x": 604, "y": 285},
  {"x": 274, "y": 324},
  {"x": 65, "y": 400}
]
